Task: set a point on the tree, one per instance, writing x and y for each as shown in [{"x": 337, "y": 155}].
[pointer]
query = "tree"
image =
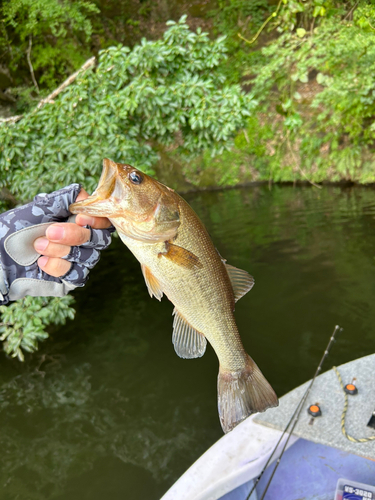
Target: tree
[
  {"x": 315, "y": 84},
  {"x": 47, "y": 34},
  {"x": 160, "y": 92}
]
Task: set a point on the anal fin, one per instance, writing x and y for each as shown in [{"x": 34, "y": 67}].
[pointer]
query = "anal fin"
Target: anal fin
[
  {"x": 242, "y": 281},
  {"x": 188, "y": 343},
  {"x": 152, "y": 283}
]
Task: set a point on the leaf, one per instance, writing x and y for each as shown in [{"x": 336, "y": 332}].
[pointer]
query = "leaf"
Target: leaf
[
  {"x": 156, "y": 91},
  {"x": 316, "y": 11}
]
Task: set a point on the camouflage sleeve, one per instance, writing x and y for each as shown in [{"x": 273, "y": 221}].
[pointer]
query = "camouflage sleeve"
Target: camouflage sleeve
[{"x": 19, "y": 272}]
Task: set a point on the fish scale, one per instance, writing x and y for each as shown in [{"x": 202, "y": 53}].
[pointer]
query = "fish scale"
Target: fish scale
[
  {"x": 207, "y": 299},
  {"x": 179, "y": 260}
]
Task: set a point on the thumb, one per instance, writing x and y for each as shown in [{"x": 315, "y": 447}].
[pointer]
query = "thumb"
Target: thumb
[{"x": 54, "y": 207}]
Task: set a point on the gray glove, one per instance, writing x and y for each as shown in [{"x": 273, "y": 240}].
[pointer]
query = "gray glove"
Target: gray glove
[{"x": 19, "y": 228}]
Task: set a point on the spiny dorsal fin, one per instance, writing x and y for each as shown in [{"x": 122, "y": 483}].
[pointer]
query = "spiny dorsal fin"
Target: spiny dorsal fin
[
  {"x": 241, "y": 281},
  {"x": 180, "y": 256},
  {"x": 188, "y": 343},
  {"x": 152, "y": 283}
]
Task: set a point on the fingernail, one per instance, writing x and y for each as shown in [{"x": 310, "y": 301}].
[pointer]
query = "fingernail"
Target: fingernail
[
  {"x": 55, "y": 233},
  {"x": 41, "y": 244},
  {"x": 85, "y": 220},
  {"x": 42, "y": 261}
]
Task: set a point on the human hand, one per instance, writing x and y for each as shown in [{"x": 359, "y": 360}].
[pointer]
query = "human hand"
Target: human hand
[
  {"x": 64, "y": 265},
  {"x": 60, "y": 238}
]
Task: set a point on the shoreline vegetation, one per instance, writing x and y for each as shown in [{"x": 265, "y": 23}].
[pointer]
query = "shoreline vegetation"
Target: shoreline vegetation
[
  {"x": 305, "y": 65},
  {"x": 230, "y": 94}
]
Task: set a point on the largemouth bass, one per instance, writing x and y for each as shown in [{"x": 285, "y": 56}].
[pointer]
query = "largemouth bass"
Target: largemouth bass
[{"x": 178, "y": 259}]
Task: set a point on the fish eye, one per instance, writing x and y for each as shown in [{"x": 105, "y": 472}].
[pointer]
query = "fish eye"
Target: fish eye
[{"x": 135, "y": 177}]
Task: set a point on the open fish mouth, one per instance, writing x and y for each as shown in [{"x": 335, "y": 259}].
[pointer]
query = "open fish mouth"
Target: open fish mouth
[
  {"x": 98, "y": 203},
  {"x": 107, "y": 181}
]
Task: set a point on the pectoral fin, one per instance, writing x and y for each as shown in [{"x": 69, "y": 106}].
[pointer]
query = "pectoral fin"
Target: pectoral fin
[
  {"x": 242, "y": 281},
  {"x": 188, "y": 343},
  {"x": 152, "y": 283},
  {"x": 180, "y": 256}
]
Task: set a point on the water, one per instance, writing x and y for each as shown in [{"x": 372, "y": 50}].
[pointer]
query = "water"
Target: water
[{"x": 107, "y": 410}]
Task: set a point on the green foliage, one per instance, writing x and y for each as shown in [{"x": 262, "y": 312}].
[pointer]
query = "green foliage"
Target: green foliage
[
  {"x": 235, "y": 15},
  {"x": 303, "y": 15},
  {"x": 246, "y": 161},
  {"x": 238, "y": 17},
  {"x": 4, "y": 206},
  {"x": 161, "y": 92},
  {"x": 56, "y": 29},
  {"x": 33, "y": 17},
  {"x": 23, "y": 322},
  {"x": 316, "y": 85}
]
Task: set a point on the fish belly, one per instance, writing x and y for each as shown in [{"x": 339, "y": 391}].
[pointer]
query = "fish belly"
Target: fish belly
[
  {"x": 203, "y": 299},
  {"x": 200, "y": 296}
]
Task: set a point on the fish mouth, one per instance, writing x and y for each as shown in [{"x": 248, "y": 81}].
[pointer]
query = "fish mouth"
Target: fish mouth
[
  {"x": 107, "y": 180},
  {"x": 97, "y": 204}
]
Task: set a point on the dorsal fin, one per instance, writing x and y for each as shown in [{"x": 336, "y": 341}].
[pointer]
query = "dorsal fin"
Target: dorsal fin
[
  {"x": 188, "y": 343},
  {"x": 152, "y": 283},
  {"x": 242, "y": 281}
]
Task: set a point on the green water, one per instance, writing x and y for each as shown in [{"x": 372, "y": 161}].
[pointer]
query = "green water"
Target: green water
[{"x": 106, "y": 410}]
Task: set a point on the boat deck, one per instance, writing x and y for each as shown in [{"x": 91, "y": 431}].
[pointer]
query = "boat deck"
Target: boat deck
[
  {"x": 316, "y": 457},
  {"x": 310, "y": 471},
  {"x": 328, "y": 393}
]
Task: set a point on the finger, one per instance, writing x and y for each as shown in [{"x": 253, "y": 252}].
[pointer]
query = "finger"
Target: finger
[
  {"x": 94, "y": 222},
  {"x": 54, "y": 206},
  {"x": 100, "y": 239},
  {"x": 77, "y": 274},
  {"x": 88, "y": 257},
  {"x": 54, "y": 266},
  {"x": 45, "y": 247},
  {"x": 68, "y": 233},
  {"x": 82, "y": 195}
]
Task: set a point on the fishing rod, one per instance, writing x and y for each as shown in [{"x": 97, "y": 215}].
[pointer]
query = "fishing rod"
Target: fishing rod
[{"x": 295, "y": 417}]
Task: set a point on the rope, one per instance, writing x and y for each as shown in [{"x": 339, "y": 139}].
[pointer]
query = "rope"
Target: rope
[{"x": 343, "y": 415}]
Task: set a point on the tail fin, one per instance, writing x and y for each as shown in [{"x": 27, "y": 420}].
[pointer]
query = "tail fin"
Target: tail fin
[{"x": 242, "y": 393}]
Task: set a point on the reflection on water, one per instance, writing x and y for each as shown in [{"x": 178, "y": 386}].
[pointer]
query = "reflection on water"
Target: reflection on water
[{"x": 107, "y": 410}]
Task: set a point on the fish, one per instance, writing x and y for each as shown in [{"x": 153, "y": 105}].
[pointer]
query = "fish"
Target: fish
[{"x": 179, "y": 260}]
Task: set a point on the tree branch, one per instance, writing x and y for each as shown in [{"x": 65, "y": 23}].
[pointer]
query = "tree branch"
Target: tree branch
[
  {"x": 49, "y": 99},
  {"x": 272, "y": 16},
  {"x": 351, "y": 11},
  {"x": 28, "y": 54}
]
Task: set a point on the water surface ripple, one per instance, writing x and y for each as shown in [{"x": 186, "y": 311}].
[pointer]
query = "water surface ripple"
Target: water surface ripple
[{"x": 107, "y": 410}]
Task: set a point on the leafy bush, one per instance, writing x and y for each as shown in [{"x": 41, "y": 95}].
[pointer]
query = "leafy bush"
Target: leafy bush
[
  {"x": 238, "y": 17},
  {"x": 166, "y": 91},
  {"x": 49, "y": 32},
  {"x": 23, "y": 322},
  {"x": 316, "y": 87},
  {"x": 162, "y": 92}
]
